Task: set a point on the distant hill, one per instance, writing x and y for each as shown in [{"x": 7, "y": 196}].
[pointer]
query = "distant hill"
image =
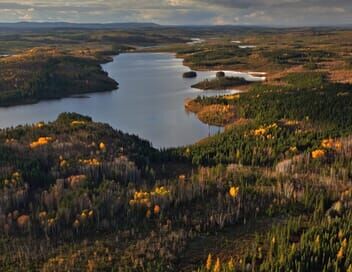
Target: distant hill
[
  {"x": 38, "y": 26},
  {"x": 61, "y": 25}
]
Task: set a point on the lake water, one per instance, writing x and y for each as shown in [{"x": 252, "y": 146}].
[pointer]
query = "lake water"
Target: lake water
[{"x": 148, "y": 103}]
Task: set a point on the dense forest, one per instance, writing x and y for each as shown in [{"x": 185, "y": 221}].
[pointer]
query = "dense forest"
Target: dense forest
[
  {"x": 48, "y": 73},
  {"x": 279, "y": 120}
]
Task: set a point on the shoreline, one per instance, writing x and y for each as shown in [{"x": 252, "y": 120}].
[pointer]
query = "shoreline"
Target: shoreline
[
  {"x": 109, "y": 59},
  {"x": 107, "y": 80},
  {"x": 203, "y": 117},
  {"x": 94, "y": 107}
]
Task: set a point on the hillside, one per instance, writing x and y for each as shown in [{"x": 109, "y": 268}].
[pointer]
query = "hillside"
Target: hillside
[
  {"x": 270, "y": 193},
  {"x": 47, "y": 73}
]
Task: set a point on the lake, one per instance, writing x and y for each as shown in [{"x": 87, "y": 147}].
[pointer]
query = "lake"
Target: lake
[{"x": 148, "y": 103}]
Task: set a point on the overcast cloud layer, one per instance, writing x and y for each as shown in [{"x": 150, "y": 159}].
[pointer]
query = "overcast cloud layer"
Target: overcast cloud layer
[{"x": 199, "y": 12}]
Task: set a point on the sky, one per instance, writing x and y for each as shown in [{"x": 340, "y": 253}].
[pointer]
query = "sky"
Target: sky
[{"x": 182, "y": 12}]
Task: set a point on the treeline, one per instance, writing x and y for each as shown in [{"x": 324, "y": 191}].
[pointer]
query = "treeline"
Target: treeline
[
  {"x": 293, "y": 56},
  {"x": 215, "y": 55}
]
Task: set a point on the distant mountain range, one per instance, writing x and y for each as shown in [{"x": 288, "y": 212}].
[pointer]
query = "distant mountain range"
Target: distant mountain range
[
  {"x": 51, "y": 25},
  {"x": 133, "y": 25}
]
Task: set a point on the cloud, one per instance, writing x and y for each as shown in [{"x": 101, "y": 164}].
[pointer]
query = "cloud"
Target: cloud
[{"x": 259, "y": 12}]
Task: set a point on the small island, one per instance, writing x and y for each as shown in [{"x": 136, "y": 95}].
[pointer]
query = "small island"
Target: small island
[
  {"x": 221, "y": 83},
  {"x": 220, "y": 74},
  {"x": 190, "y": 74}
]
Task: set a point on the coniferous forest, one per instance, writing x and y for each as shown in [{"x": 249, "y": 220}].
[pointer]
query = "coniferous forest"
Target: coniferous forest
[{"x": 271, "y": 192}]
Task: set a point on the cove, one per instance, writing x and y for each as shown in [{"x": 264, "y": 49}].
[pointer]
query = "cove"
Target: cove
[{"x": 149, "y": 102}]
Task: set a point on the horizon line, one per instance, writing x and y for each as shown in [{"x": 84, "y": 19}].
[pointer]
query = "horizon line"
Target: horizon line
[{"x": 179, "y": 25}]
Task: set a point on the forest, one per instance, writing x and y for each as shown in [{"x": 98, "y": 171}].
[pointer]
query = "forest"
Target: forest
[
  {"x": 272, "y": 192},
  {"x": 47, "y": 73},
  {"x": 220, "y": 83}
]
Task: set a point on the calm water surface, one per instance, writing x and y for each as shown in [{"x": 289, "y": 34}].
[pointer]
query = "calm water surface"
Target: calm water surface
[{"x": 149, "y": 102}]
